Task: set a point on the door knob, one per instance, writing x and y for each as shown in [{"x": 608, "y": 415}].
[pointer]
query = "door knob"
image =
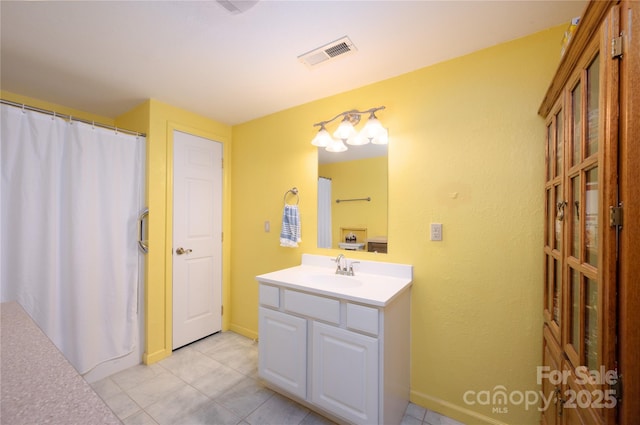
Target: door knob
[{"x": 181, "y": 251}]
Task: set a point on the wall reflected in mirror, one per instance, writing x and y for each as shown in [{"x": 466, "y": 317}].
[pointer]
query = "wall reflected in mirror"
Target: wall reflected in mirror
[{"x": 352, "y": 198}]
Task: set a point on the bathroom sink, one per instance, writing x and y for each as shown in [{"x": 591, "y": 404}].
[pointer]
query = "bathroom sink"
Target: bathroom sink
[
  {"x": 374, "y": 283},
  {"x": 335, "y": 280}
]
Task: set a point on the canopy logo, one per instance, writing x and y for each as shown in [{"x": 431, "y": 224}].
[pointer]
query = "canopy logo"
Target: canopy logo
[{"x": 501, "y": 399}]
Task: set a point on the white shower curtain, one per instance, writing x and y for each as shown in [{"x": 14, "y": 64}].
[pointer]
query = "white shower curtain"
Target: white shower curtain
[
  {"x": 70, "y": 196},
  {"x": 324, "y": 212}
]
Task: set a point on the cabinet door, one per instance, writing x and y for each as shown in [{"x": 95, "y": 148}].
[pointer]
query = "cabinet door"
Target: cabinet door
[
  {"x": 555, "y": 213},
  {"x": 345, "y": 373},
  {"x": 283, "y": 351},
  {"x": 580, "y": 244},
  {"x": 590, "y": 254},
  {"x": 551, "y": 388}
]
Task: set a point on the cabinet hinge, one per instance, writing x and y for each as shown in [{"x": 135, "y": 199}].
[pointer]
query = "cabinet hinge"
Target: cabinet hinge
[
  {"x": 615, "y": 216},
  {"x": 222, "y": 237},
  {"x": 221, "y": 310},
  {"x": 616, "y": 47}
]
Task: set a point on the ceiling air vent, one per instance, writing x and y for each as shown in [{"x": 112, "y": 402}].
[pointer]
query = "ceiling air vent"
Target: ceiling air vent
[{"x": 328, "y": 51}]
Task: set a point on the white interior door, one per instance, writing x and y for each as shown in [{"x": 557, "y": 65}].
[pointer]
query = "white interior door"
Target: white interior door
[{"x": 197, "y": 238}]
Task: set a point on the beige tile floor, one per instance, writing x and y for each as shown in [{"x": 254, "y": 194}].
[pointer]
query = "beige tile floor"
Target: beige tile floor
[{"x": 214, "y": 381}]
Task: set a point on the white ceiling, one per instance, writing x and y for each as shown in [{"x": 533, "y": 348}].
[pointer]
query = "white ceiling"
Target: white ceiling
[{"x": 105, "y": 57}]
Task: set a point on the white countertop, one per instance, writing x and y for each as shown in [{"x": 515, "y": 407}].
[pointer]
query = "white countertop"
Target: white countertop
[{"x": 375, "y": 283}]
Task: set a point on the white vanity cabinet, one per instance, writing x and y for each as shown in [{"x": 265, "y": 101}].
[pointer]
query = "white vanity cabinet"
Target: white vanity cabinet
[
  {"x": 283, "y": 351},
  {"x": 337, "y": 352},
  {"x": 344, "y": 373}
]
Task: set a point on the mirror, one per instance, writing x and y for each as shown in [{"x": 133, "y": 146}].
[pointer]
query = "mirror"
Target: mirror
[{"x": 352, "y": 198}]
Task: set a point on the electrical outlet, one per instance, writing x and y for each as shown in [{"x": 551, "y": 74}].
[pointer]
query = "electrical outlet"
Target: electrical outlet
[
  {"x": 436, "y": 231},
  {"x": 267, "y": 226}
]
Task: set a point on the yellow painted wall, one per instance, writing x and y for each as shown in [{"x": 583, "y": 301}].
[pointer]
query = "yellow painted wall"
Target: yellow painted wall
[
  {"x": 467, "y": 151},
  {"x": 363, "y": 178}
]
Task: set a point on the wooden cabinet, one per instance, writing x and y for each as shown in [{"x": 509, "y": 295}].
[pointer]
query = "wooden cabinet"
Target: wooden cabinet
[
  {"x": 345, "y": 359},
  {"x": 585, "y": 187}
]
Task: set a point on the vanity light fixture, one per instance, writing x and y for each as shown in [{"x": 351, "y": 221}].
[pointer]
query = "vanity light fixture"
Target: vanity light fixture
[{"x": 372, "y": 132}]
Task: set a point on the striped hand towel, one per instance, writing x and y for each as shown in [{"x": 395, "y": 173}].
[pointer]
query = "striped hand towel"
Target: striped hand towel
[{"x": 290, "y": 233}]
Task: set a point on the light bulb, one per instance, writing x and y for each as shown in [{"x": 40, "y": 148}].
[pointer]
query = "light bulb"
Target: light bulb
[
  {"x": 381, "y": 139},
  {"x": 345, "y": 130},
  {"x": 373, "y": 128},
  {"x": 323, "y": 138},
  {"x": 360, "y": 139},
  {"x": 336, "y": 145}
]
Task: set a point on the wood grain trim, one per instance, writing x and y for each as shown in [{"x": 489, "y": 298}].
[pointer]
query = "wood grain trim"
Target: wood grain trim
[
  {"x": 629, "y": 283},
  {"x": 589, "y": 24}
]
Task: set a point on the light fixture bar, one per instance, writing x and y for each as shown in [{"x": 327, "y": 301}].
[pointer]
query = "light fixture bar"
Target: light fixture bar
[
  {"x": 350, "y": 114},
  {"x": 373, "y": 131}
]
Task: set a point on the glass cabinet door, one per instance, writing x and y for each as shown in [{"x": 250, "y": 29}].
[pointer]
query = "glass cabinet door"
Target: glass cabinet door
[
  {"x": 584, "y": 220},
  {"x": 555, "y": 218}
]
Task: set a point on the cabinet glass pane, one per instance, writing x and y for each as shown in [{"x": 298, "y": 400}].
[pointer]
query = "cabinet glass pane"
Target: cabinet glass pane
[
  {"x": 550, "y": 218},
  {"x": 591, "y": 217},
  {"x": 576, "y": 124},
  {"x": 549, "y": 152},
  {"x": 549, "y": 284},
  {"x": 574, "y": 338},
  {"x": 557, "y": 240},
  {"x": 559, "y": 143},
  {"x": 574, "y": 207},
  {"x": 591, "y": 325},
  {"x": 557, "y": 285},
  {"x": 593, "y": 111}
]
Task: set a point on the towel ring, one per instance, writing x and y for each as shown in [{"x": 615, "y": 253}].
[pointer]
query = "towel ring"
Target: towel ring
[{"x": 294, "y": 191}]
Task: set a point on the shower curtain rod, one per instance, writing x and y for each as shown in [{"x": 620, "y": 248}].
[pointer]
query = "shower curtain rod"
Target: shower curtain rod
[{"x": 71, "y": 118}]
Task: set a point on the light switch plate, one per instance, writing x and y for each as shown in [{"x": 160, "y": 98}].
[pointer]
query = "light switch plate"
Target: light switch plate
[{"x": 436, "y": 231}]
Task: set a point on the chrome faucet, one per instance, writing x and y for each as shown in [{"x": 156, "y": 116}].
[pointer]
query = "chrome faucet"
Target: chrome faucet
[
  {"x": 344, "y": 270},
  {"x": 350, "y": 271},
  {"x": 339, "y": 268}
]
